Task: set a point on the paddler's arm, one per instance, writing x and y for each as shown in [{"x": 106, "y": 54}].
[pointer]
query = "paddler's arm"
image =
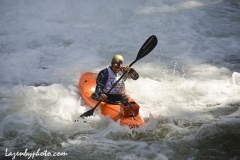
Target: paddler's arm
[
  {"x": 131, "y": 73},
  {"x": 100, "y": 83}
]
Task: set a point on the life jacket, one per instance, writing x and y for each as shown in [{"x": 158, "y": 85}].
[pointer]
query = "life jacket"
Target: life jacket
[{"x": 112, "y": 78}]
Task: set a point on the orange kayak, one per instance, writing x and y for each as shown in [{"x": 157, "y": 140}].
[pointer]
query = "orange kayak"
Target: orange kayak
[{"x": 87, "y": 84}]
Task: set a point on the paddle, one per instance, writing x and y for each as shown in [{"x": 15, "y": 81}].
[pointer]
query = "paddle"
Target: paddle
[{"x": 146, "y": 48}]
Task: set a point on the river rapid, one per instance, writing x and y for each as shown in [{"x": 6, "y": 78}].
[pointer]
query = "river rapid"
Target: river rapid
[{"x": 188, "y": 89}]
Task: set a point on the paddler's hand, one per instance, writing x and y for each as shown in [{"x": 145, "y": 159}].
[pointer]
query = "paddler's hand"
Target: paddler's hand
[
  {"x": 127, "y": 69},
  {"x": 103, "y": 97}
]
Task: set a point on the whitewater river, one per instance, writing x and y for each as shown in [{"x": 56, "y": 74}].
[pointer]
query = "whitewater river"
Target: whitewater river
[{"x": 188, "y": 90}]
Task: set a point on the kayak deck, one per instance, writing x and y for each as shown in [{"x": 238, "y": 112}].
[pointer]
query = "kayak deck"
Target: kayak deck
[{"x": 87, "y": 84}]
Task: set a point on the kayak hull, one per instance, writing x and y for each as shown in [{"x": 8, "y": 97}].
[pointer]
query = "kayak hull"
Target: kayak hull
[{"x": 117, "y": 112}]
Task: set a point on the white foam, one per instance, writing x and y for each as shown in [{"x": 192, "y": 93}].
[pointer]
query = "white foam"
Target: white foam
[{"x": 45, "y": 46}]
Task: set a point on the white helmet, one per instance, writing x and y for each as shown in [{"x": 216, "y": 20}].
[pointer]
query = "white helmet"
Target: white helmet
[{"x": 117, "y": 59}]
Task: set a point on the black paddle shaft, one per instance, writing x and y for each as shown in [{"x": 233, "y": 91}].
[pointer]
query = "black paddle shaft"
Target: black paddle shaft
[{"x": 146, "y": 48}]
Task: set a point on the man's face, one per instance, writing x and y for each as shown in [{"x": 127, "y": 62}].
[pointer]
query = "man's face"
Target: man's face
[{"x": 116, "y": 67}]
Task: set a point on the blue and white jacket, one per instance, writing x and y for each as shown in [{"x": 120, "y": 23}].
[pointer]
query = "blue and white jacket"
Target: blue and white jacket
[{"x": 103, "y": 77}]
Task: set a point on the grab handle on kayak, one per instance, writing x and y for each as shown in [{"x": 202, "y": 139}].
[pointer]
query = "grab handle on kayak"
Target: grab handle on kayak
[{"x": 131, "y": 108}]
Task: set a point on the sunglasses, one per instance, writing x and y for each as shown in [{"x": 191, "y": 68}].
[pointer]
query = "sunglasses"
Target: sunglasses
[{"x": 116, "y": 67}]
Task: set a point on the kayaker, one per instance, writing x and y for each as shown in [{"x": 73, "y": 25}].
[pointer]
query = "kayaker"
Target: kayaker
[{"x": 108, "y": 76}]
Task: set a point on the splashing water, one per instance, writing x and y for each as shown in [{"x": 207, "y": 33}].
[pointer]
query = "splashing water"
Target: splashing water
[{"x": 188, "y": 88}]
